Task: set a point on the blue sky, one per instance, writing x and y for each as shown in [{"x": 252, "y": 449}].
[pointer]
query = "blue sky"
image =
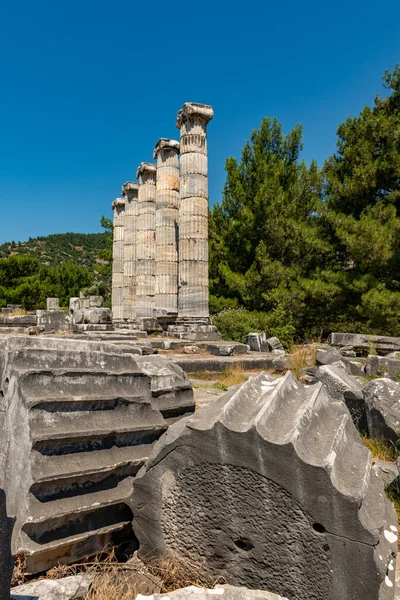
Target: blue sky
[{"x": 88, "y": 87}]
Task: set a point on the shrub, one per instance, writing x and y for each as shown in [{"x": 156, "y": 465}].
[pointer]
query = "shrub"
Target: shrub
[{"x": 235, "y": 323}]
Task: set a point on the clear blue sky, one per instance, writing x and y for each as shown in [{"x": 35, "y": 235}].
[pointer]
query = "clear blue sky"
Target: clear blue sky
[{"x": 88, "y": 87}]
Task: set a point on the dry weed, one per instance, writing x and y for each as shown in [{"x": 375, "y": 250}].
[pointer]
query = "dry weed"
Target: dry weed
[
  {"x": 380, "y": 450},
  {"x": 233, "y": 375},
  {"x": 302, "y": 357},
  {"x": 17, "y": 312}
]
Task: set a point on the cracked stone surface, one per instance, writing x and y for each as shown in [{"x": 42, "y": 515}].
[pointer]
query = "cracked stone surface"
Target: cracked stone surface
[{"x": 271, "y": 487}]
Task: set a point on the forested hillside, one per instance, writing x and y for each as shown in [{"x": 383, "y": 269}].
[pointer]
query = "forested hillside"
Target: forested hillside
[{"x": 82, "y": 248}]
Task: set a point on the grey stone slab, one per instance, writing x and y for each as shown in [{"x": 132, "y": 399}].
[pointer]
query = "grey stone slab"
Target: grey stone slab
[
  {"x": 362, "y": 342},
  {"x": 6, "y": 558},
  {"x": 380, "y": 365},
  {"x": 75, "y": 587},
  {"x": 271, "y": 487},
  {"x": 382, "y": 401},
  {"x": 274, "y": 343},
  {"x": 258, "y": 342},
  {"x": 343, "y": 386},
  {"x": 386, "y": 471},
  {"x": 223, "y": 592}
]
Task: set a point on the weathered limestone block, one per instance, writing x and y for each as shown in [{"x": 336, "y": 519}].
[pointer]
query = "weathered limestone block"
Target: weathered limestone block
[
  {"x": 130, "y": 190},
  {"x": 172, "y": 392},
  {"x": 271, "y": 487},
  {"x": 77, "y": 424},
  {"x": 53, "y": 304},
  {"x": 94, "y": 316},
  {"x": 146, "y": 241},
  {"x": 275, "y": 343},
  {"x": 117, "y": 298},
  {"x": 343, "y": 386},
  {"x": 6, "y": 558},
  {"x": 227, "y": 592},
  {"x": 74, "y": 304},
  {"x": 379, "y": 365},
  {"x": 386, "y": 471},
  {"x": 75, "y": 587},
  {"x": 382, "y": 402},
  {"x": 227, "y": 348},
  {"x": 54, "y": 320},
  {"x": 96, "y": 301},
  {"x": 362, "y": 343},
  {"x": 257, "y": 342},
  {"x": 192, "y": 121}
]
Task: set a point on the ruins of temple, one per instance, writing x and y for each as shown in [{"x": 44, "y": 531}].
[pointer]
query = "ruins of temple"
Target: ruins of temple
[{"x": 160, "y": 244}]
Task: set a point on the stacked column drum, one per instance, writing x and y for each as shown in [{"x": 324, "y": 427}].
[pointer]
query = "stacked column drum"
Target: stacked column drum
[{"x": 160, "y": 252}]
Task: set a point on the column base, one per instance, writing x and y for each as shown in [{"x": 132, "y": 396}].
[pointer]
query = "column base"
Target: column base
[{"x": 149, "y": 324}]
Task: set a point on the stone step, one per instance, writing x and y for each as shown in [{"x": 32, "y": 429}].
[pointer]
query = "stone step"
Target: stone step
[
  {"x": 45, "y": 426},
  {"x": 47, "y": 359},
  {"x": 53, "y": 512},
  {"x": 79, "y": 382},
  {"x": 83, "y": 403},
  {"x": 40, "y": 557},
  {"x": 47, "y": 469}
]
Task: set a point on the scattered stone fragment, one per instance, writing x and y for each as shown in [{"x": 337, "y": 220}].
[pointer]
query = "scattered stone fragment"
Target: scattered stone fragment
[
  {"x": 343, "y": 386},
  {"x": 327, "y": 357},
  {"x": 227, "y": 349},
  {"x": 6, "y": 558},
  {"x": 362, "y": 343},
  {"x": 281, "y": 362},
  {"x": 271, "y": 487},
  {"x": 379, "y": 365},
  {"x": 386, "y": 471},
  {"x": 347, "y": 351},
  {"x": 382, "y": 400},
  {"x": 75, "y": 587},
  {"x": 191, "y": 350},
  {"x": 227, "y": 592},
  {"x": 257, "y": 342},
  {"x": 274, "y": 343}
]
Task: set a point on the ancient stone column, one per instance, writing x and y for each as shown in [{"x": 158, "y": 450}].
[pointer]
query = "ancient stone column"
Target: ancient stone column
[
  {"x": 146, "y": 241},
  {"x": 192, "y": 121},
  {"x": 118, "y": 260},
  {"x": 130, "y": 192},
  {"x": 167, "y": 222}
]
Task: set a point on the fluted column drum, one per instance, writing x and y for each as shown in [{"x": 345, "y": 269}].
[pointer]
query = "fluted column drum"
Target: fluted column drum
[
  {"x": 130, "y": 191},
  {"x": 146, "y": 241},
  {"x": 117, "y": 294},
  {"x": 167, "y": 222},
  {"x": 193, "y": 211}
]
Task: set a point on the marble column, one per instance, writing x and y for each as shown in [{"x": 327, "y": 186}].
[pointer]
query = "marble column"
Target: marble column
[
  {"x": 130, "y": 192},
  {"x": 192, "y": 121},
  {"x": 146, "y": 241},
  {"x": 118, "y": 260},
  {"x": 167, "y": 217}
]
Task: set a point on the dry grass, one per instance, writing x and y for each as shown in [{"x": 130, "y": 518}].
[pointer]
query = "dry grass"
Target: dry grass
[
  {"x": 17, "y": 312},
  {"x": 302, "y": 357},
  {"x": 115, "y": 580},
  {"x": 233, "y": 375},
  {"x": 380, "y": 450}
]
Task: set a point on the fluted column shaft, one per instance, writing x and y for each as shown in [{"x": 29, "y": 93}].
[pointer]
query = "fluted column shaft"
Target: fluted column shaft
[
  {"x": 167, "y": 216},
  {"x": 118, "y": 260},
  {"x": 146, "y": 241},
  {"x": 130, "y": 192},
  {"x": 193, "y": 212}
]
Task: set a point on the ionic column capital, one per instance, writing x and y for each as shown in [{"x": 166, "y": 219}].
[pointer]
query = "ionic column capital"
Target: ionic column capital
[
  {"x": 130, "y": 187},
  {"x": 166, "y": 144},
  {"x": 194, "y": 110},
  {"x": 118, "y": 203},
  {"x": 146, "y": 168}
]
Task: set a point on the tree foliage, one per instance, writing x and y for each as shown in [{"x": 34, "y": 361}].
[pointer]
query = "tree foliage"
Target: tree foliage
[{"x": 321, "y": 245}]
